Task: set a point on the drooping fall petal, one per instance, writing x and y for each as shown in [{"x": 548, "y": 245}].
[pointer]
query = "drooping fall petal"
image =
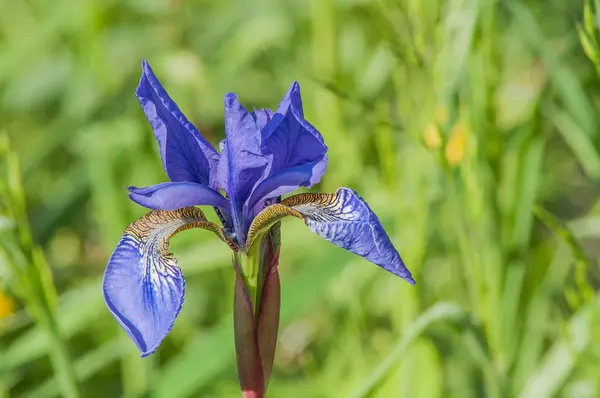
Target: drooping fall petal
[
  {"x": 143, "y": 285},
  {"x": 344, "y": 219}
]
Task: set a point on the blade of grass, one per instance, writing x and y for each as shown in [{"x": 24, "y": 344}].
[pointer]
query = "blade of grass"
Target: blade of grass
[
  {"x": 562, "y": 77},
  {"x": 437, "y": 313},
  {"x": 562, "y": 357},
  {"x": 35, "y": 280},
  {"x": 86, "y": 366}
]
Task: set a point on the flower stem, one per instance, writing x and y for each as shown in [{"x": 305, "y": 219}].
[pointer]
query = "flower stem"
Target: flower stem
[
  {"x": 256, "y": 312},
  {"x": 249, "y": 364},
  {"x": 250, "y": 271}
]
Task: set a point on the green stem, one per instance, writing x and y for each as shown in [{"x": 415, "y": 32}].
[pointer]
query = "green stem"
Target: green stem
[{"x": 250, "y": 270}]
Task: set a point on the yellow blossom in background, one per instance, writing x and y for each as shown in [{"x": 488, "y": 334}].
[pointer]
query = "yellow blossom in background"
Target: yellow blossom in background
[
  {"x": 431, "y": 136},
  {"x": 455, "y": 150},
  {"x": 7, "y": 305}
]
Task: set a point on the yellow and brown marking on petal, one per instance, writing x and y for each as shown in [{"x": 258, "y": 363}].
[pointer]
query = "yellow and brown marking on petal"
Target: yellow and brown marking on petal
[
  {"x": 187, "y": 217},
  {"x": 298, "y": 206}
]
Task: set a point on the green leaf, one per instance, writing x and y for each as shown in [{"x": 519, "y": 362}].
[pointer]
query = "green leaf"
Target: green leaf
[{"x": 85, "y": 367}]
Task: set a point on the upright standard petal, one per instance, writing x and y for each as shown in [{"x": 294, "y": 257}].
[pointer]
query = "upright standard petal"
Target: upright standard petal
[
  {"x": 175, "y": 195},
  {"x": 297, "y": 153},
  {"x": 262, "y": 117},
  {"x": 245, "y": 163},
  {"x": 143, "y": 285},
  {"x": 344, "y": 219},
  {"x": 186, "y": 155},
  {"x": 223, "y": 167},
  {"x": 286, "y": 181}
]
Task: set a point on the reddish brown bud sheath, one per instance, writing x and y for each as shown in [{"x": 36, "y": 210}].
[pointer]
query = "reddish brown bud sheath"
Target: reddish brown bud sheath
[
  {"x": 250, "y": 371},
  {"x": 268, "y": 318},
  {"x": 255, "y": 329}
]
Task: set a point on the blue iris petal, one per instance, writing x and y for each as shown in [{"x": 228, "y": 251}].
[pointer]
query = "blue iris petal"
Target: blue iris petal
[
  {"x": 186, "y": 155},
  {"x": 297, "y": 153},
  {"x": 267, "y": 154},
  {"x": 284, "y": 182},
  {"x": 242, "y": 163},
  {"x": 346, "y": 220},
  {"x": 262, "y": 117},
  {"x": 175, "y": 195},
  {"x": 143, "y": 286}
]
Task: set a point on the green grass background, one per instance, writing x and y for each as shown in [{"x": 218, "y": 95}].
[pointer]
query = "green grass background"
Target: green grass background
[{"x": 497, "y": 215}]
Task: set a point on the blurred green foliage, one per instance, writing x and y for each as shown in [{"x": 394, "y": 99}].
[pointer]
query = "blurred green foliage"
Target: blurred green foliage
[{"x": 471, "y": 127}]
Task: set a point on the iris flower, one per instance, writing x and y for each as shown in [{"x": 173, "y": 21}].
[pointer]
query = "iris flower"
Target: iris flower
[{"x": 264, "y": 156}]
